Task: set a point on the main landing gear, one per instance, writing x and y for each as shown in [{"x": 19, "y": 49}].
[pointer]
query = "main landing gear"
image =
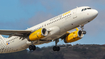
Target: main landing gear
[
  {"x": 32, "y": 47},
  {"x": 56, "y": 48},
  {"x": 82, "y": 29}
]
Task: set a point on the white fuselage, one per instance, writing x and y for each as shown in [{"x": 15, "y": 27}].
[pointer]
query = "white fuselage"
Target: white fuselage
[{"x": 59, "y": 25}]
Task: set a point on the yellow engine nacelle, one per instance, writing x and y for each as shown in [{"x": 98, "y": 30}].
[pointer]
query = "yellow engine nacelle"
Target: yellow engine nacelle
[
  {"x": 74, "y": 36},
  {"x": 38, "y": 34}
]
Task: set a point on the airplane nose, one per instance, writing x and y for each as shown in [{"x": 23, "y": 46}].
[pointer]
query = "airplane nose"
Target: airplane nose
[
  {"x": 91, "y": 14},
  {"x": 95, "y": 13}
]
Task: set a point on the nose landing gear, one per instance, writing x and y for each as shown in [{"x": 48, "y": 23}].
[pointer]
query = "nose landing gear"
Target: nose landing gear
[
  {"x": 84, "y": 32},
  {"x": 82, "y": 29}
]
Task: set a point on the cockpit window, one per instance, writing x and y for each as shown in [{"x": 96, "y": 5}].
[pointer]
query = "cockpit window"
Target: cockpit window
[
  {"x": 85, "y": 9},
  {"x": 88, "y": 8}
]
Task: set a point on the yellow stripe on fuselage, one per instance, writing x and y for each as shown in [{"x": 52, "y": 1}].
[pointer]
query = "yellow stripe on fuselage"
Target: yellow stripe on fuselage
[{"x": 66, "y": 13}]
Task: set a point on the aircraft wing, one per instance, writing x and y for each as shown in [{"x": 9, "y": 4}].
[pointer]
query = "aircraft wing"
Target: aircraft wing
[{"x": 14, "y": 32}]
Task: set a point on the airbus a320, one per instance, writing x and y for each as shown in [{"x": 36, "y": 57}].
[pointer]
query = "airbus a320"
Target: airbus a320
[{"x": 51, "y": 30}]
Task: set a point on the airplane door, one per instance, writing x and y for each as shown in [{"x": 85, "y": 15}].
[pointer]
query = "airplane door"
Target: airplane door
[{"x": 75, "y": 13}]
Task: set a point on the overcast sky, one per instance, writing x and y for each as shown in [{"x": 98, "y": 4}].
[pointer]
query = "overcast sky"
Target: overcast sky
[{"x": 22, "y": 14}]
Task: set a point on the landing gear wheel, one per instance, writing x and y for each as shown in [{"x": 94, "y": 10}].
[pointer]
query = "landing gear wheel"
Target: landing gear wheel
[
  {"x": 84, "y": 32},
  {"x": 32, "y": 47},
  {"x": 56, "y": 48}
]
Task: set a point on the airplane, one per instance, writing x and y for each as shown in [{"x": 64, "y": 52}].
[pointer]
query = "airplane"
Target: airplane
[{"x": 51, "y": 30}]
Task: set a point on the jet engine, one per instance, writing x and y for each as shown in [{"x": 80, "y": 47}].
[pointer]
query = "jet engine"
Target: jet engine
[
  {"x": 38, "y": 34},
  {"x": 74, "y": 36}
]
